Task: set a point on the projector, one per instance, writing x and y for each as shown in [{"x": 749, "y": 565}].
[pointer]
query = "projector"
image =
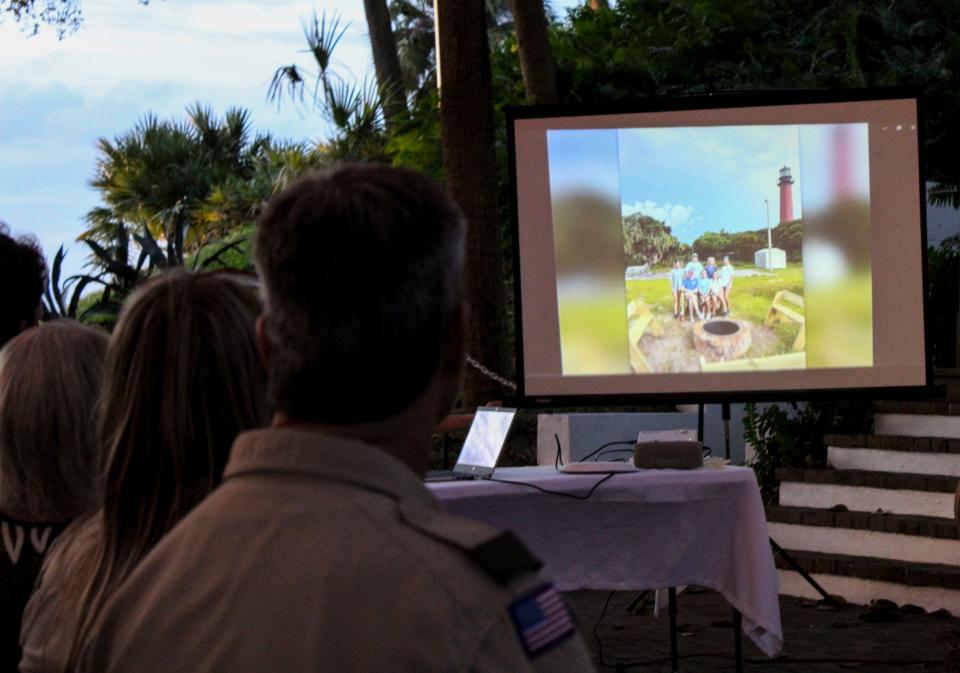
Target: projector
[{"x": 671, "y": 449}]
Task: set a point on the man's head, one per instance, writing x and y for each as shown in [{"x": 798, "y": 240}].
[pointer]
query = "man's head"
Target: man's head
[
  {"x": 726, "y": 259},
  {"x": 711, "y": 261},
  {"x": 362, "y": 268},
  {"x": 693, "y": 257},
  {"x": 23, "y": 276}
]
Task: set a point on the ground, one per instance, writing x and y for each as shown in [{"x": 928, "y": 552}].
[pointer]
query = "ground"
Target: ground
[
  {"x": 674, "y": 351},
  {"x": 750, "y": 300},
  {"x": 816, "y": 640}
]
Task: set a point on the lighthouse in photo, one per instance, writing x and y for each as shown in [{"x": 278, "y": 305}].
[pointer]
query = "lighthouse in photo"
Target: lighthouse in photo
[
  {"x": 771, "y": 257},
  {"x": 786, "y": 195}
]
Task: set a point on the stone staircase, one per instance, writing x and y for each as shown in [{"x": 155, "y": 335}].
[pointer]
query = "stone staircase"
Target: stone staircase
[{"x": 879, "y": 522}]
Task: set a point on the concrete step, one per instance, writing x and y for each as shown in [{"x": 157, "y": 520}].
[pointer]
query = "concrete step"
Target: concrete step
[
  {"x": 861, "y": 580},
  {"x": 895, "y": 537},
  {"x": 921, "y": 424},
  {"x": 938, "y": 407},
  {"x": 894, "y": 453},
  {"x": 862, "y": 491}
]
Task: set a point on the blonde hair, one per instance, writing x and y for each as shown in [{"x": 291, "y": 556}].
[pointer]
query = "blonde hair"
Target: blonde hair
[
  {"x": 50, "y": 380},
  {"x": 184, "y": 378}
]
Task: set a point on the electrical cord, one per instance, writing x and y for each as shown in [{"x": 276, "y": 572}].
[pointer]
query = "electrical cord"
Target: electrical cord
[
  {"x": 557, "y": 463},
  {"x": 575, "y": 496},
  {"x": 596, "y": 626},
  {"x": 631, "y": 442},
  {"x": 597, "y": 459}
]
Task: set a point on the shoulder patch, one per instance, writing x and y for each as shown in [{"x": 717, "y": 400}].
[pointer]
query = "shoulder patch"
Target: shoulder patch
[
  {"x": 542, "y": 620},
  {"x": 504, "y": 558},
  {"x": 498, "y": 554}
]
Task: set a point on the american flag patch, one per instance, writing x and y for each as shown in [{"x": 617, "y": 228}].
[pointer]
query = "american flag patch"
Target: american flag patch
[{"x": 542, "y": 619}]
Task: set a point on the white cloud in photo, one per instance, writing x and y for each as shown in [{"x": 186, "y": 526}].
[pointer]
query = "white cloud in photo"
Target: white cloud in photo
[{"x": 675, "y": 216}]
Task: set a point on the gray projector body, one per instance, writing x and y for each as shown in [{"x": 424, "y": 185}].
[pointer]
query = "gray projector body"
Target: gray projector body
[
  {"x": 663, "y": 455},
  {"x": 580, "y": 434}
]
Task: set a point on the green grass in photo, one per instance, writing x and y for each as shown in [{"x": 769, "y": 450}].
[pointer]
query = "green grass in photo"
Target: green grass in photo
[
  {"x": 593, "y": 337},
  {"x": 750, "y": 298}
]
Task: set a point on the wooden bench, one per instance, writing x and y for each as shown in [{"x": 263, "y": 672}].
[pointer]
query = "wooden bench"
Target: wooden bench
[
  {"x": 782, "y": 310},
  {"x": 639, "y": 318}
]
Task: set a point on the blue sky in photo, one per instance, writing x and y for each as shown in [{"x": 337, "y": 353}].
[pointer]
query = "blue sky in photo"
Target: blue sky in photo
[
  {"x": 696, "y": 179},
  {"x": 708, "y": 178},
  {"x": 584, "y": 161}
]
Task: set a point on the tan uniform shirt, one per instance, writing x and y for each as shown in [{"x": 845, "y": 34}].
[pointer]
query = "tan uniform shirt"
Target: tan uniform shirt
[{"x": 323, "y": 554}]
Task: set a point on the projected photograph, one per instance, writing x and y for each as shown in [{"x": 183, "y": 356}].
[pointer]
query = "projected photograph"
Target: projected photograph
[
  {"x": 712, "y": 249},
  {"x": 713, "y": 237}
]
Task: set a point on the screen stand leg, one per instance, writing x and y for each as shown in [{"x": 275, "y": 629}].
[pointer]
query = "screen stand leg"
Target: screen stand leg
[
  {"x": 725, "y": 414},
  {"x": 672, "y": 604},
  {"x": 700, "y": 423},
  {"x": 778, "y": 550},
  {"x": 738, "y": 640}
]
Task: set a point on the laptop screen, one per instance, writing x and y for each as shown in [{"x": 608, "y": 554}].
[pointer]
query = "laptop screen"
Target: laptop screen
[{"x": 486, "y": 437}]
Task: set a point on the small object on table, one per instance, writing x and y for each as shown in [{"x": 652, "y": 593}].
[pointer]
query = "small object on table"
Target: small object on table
[
  {"x": 597, "y": 467},
  {"x": 715, "y": 462}
]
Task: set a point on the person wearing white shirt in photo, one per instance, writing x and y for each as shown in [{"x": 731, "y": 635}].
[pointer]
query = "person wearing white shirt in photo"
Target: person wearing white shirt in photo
[
  {"x": 694, "y": 265},
  {"x": 726, "y": 282}
]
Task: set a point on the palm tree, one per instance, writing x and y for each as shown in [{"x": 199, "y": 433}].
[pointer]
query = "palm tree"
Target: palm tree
[
  {"x": 155, "y": 177},
  {"x": 175, "y": 192},
  {"x": 355, "y": 111},
  {"x": 467, "y": 127},
  {"x": 386, "y": 63},
  {"x": 536, "y": 59}
]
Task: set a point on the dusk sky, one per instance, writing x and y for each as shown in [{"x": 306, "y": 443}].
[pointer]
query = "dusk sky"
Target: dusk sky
[{"x": 128, "y": 59}]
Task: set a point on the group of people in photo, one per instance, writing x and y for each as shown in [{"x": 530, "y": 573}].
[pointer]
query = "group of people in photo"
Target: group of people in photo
[
  {"x": 701, "y": 291},
  {"x": 232, "y": 479}
]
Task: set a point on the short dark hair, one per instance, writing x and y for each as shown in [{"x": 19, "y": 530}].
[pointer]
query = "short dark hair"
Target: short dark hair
[
  {"x": 363, "y": 275},
  {"x": 23, "y": 277}
]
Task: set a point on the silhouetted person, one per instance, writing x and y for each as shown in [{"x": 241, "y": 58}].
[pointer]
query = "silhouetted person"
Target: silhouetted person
[
  {"x": 183, "y": 379},
  {"x": 50, "y": 378},
  {"x": 23, "y": 277},
  {"x": 322, "y": 550}
]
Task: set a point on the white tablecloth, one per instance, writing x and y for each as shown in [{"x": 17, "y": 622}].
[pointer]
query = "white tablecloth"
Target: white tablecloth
[{"x": 649, "y": 529}]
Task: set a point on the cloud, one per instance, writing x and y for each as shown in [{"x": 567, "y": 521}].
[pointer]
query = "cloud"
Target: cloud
[
  {"x": 231, "y": 46},
  {"x": 675, "y": 216}
]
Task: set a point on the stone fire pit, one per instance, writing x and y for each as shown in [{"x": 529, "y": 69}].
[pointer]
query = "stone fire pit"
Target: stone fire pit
[{"x": 722, "y": 339}]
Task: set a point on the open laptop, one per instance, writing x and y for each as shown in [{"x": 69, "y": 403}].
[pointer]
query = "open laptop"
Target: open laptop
[{"x": 482, "y": 447}]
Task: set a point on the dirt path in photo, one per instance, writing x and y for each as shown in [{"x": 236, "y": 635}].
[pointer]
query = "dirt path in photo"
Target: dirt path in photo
[{"x": 673, "y": 352}]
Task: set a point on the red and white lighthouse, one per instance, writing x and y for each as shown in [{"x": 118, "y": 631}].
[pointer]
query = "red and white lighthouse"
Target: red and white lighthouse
[{"x": 785, "y": 183}]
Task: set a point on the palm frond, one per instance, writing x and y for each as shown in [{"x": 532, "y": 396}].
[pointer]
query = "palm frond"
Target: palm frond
[
  {"x": 323, "y": 35},
  {"x": 944, "y": 194},
  {"x": 285, "y": 78}
]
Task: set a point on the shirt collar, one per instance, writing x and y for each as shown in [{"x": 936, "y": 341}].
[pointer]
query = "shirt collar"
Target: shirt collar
[{"x": 325, "y": 457}]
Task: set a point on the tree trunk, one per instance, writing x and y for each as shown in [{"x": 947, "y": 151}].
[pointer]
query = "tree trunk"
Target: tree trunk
[
  {"x": 467, "y": 137},
  {"x": 386, "y": 62},
  {"x": 536, "y": 59}
]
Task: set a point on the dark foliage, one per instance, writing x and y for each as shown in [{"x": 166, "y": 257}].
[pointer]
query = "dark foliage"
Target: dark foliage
[
  {"x": 792, "y": 436},
  {"x": 646, "y": 47},
  {"x": 943, "y": 301}
]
